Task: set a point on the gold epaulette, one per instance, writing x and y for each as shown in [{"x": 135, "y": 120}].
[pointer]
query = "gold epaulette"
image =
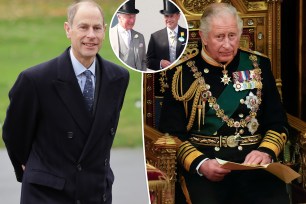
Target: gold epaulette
[
  {"x": 187, "y": 55},
  {"x": 253, "y": 52}
]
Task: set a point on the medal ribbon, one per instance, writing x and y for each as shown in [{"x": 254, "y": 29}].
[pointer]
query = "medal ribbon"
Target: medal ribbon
[{"x": 213, "y": 123}]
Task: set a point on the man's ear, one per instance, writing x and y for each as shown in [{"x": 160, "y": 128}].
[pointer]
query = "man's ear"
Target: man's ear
[
  {"x": 104, "y": 31},
  {"x": 67, "y": 29},
  {"x": 203, "y": 39}
]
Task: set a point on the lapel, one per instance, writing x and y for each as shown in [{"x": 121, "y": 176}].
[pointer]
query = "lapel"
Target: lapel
[
  {"x": 98, "y": 81},
  {"x": 123, "y": 49},
  {"x": 69, "y": 91},
  {"x": 135, "y": 45},
  {"x": 165, "y": 44},
  {"x": 106, "y": 101},
  {"x": 180, "y": 45}
]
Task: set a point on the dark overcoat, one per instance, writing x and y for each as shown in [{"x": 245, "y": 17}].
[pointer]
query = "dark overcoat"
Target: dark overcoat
[{"x": 66, "y": 150}]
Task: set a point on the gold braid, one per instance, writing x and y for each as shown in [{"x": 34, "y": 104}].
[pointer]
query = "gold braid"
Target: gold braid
[{"x": 194, "y": 91}]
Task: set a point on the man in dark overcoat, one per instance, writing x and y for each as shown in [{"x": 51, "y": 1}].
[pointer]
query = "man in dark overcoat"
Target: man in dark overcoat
[{"x": 63, "y": 116}]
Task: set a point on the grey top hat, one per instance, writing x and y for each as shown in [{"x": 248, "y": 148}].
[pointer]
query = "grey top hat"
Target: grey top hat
[
  {"x": 169, "y": 8},
  {"x": 128, "y": 8}
]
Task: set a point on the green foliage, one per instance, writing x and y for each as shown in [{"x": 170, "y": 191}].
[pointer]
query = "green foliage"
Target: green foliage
[{"x": 35, "y": 37}]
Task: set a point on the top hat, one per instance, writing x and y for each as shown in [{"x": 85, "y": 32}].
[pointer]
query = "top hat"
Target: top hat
[
  {"x": 169, "y": 8},
  {"x": 128, "y": 8}
]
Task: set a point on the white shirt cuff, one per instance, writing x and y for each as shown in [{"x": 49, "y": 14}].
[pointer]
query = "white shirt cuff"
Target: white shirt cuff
[{"x": 198, "y": 167}]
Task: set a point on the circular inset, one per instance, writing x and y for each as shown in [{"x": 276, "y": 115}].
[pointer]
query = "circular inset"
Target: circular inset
[{"x": 148, "y": 35}]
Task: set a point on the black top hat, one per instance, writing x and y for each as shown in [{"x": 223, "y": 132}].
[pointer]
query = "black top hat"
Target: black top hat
[
  {"x": 169, "y": 8},
  {"x": 128, "y": 8}
]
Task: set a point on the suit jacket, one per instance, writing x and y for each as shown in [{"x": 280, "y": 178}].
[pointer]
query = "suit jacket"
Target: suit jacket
[
  {"x": 137, "y": 44},
  {"x": 66, "y": 150},
  {"x": 158, "y": 47}
]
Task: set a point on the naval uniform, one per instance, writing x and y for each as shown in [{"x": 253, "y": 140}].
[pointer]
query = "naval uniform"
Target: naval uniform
[{"x": 225, "y": 112}]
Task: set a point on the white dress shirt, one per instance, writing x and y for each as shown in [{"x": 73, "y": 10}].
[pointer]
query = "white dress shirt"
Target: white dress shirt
[{"x": 125, "y": 34}]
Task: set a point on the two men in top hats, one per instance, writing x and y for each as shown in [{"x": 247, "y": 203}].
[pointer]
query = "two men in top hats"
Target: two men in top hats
[
  {"x": 167, "y": 44},
  {"x": 128, "y": 44}
]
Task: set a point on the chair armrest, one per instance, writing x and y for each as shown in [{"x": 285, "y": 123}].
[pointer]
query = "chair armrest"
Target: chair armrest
[
  {"x": 300, "y": 127},
  {"x": 161, "y": 152}
]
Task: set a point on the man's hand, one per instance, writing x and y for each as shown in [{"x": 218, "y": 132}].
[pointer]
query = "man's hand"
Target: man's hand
[
  {"x": 212, "y": 170},
  {"x": 164, "y": 63},
  {"x": 256, "y": 157},
  {"x": 23, "y": 167}
]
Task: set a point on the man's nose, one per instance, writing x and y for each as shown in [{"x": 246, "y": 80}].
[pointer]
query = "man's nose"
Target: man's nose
[
  {"x": 91, "y": 33},
  {"x": 226, "y": 43}
]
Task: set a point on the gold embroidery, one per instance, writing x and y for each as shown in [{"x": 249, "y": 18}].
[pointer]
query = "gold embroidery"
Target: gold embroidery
[
  {"x": 199, "y": 92},
  {"x": 187, "y": 154}
]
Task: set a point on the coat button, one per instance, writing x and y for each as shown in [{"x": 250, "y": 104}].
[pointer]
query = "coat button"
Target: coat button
[
  {"x": 104, "y": 197},
  {"x": 79, "y": 167},
  {"x": 105, "y": 162},
  {"x": 112, "y": 131},
  {"x": 70, "y": 135}
]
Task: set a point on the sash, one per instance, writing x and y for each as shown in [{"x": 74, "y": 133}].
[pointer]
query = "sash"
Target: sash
[{"x": 229, "y": 101}]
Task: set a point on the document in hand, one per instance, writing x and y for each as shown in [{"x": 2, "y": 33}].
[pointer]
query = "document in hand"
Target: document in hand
[{"x": 282, "y": 171}]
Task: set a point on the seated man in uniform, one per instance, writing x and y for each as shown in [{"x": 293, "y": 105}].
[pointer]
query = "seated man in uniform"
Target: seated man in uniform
[{"x": 223, "y": 103}]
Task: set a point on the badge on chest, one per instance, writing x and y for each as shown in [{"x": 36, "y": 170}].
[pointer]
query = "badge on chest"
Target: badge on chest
[{"x": 246, "y": 80}]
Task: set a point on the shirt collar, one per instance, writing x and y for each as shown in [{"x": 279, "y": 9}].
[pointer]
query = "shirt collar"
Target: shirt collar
[
  {"x": 175, "y": 30},
  {"x": 122, "y": 30},
  {"x": 79, "y": 68},
  {"x": 205, "y": 55}
]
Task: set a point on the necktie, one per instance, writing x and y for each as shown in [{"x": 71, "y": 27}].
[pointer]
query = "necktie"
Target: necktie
[
  {"x": 172, "y": 37},
  {"x": 172, "y": 46},
  {"x": 88, "y": 90},
  {"x": 126, "y": 38}
]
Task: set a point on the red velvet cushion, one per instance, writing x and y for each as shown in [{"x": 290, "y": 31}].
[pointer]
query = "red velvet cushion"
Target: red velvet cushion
[
  {"x": 157, "y": 181},
  {"x": 155, "y": 174}
]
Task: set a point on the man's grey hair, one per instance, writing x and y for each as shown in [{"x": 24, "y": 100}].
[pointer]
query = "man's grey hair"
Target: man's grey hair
[
  {"x": 73, "y": 8},
  {"x": 215, "y": 10}
]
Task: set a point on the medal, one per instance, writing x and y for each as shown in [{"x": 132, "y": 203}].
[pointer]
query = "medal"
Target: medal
[
  {"x": 182, "y": 39},
  {"x": 246, "y": 80},
  {"x": 225, "y": 79},
  {"x": 237, "y": 86}
]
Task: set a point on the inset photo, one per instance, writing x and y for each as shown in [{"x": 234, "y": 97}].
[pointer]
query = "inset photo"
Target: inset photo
[{"x": 148, "y": 35}]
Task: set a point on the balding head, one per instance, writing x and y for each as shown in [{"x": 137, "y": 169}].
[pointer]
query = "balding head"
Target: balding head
[{"x": 71, "y": 11}]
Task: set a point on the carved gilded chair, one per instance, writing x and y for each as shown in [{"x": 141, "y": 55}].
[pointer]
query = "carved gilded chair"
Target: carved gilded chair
[
  {"x": 261, "y": 32},
  {"x": 161, "y": 153}
]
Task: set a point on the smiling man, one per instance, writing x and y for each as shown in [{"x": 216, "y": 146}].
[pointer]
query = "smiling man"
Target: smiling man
[
  {"x": 167, "y": 44},
  {"x": 128, "y": 44},
  {"x": 63, "y": 116}
]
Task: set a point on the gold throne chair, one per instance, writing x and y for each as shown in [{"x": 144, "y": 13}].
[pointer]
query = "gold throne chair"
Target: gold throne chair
[{"x": 262, "y": 33}]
